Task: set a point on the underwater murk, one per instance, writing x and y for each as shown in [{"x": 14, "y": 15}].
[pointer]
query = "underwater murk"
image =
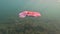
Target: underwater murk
[{"x": 47, "y": 21}]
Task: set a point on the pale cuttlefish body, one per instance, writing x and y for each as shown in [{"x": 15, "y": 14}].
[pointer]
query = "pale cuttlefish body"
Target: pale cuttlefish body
[{"x": 29, "y": 13}]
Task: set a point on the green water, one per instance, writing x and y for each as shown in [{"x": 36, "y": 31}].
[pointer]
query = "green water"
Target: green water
[{"x": 49, "y": 9}]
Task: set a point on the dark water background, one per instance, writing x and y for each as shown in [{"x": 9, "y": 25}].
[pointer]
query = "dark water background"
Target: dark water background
[{"x": 49, "y": 9}]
